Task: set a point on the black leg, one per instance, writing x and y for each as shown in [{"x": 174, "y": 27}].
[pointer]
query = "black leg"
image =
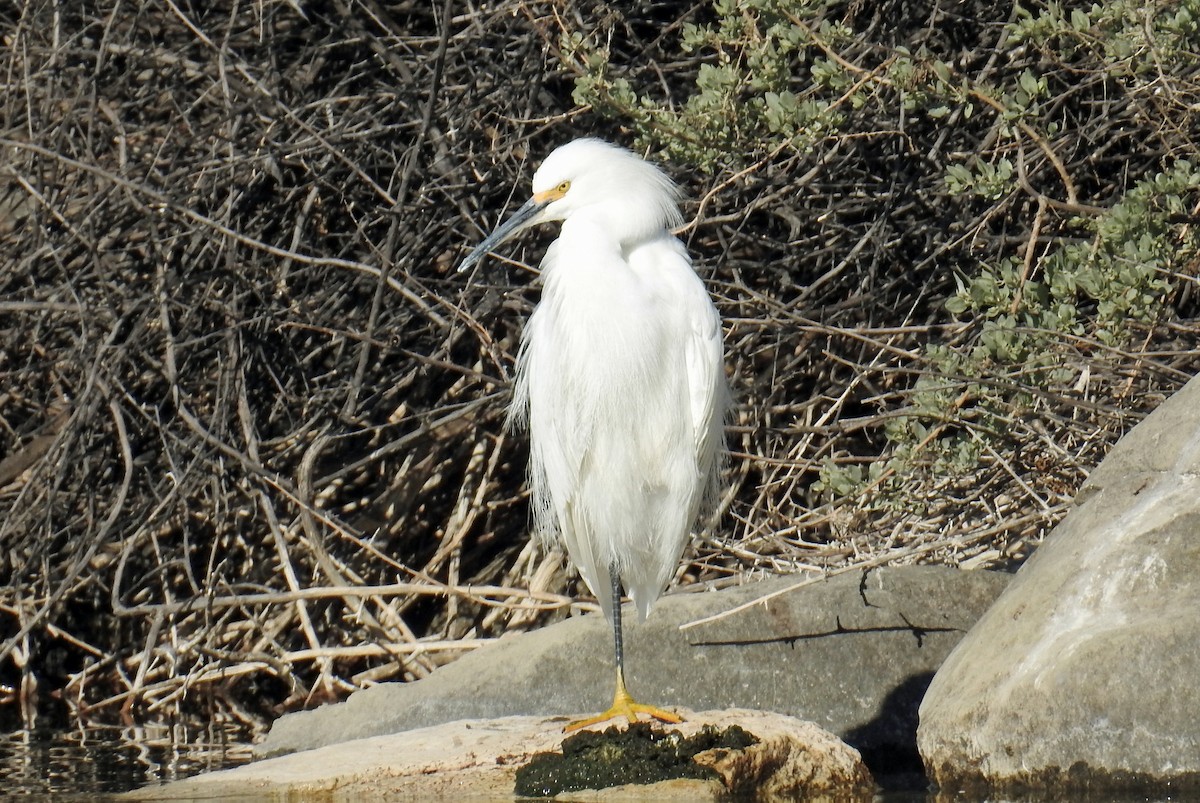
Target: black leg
[
  {"x": 623, "y": 705},
  {"x": 614, "y": 575}
]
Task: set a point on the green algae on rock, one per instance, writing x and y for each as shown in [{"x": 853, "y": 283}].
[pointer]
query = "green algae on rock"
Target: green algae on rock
[{"x": 639, "y": 754}]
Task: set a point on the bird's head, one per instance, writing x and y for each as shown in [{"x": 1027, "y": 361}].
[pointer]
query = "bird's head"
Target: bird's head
[{"x": 630, "y": 197}]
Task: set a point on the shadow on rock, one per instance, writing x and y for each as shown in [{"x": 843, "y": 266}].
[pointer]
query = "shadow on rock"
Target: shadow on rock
[{"x": 888, "y": 742}]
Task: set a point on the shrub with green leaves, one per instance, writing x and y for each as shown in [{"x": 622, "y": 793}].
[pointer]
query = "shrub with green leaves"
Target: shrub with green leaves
[
  {"x": 1095, "y": 287},
  {"x": 1055, "y": 147},
  {"x": 746, "y": 100}
]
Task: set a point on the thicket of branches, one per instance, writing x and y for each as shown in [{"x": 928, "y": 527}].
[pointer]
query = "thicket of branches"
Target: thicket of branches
[{"x": 251, "y": 442}]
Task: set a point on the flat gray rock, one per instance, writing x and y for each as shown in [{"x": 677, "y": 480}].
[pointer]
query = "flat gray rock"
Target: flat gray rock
[
  {"x": 852, "y": 653},
  {"x": 1085, "y": 672},
  {"x": 479, "y": 760}
]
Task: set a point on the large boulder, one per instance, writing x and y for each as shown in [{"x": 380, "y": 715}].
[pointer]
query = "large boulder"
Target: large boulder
[
  {"x": 852, "y": 653},
  {"x": 1084, "y": 674}
]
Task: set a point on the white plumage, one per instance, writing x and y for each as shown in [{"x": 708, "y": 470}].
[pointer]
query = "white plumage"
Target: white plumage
[{"x": 619, "y": 375}]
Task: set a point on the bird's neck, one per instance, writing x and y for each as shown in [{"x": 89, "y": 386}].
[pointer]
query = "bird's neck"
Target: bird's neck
[{"x": 626, "y": 226}]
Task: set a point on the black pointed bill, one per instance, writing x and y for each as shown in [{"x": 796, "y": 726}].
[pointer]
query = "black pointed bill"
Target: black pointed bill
[{"x": 522, "y": 218}]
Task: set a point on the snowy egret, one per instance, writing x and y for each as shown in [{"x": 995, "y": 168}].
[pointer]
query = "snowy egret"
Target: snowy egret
[{"x": 619, "y": 380}]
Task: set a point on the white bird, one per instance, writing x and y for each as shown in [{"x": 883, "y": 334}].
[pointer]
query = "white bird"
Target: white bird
[{"x": 619, "y": 380}]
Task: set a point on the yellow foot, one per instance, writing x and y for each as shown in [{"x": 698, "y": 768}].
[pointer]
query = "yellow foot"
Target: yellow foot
[{"x": 624, "y": 706}]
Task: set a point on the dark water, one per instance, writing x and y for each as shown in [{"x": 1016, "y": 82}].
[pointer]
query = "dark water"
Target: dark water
[{"x": 92, "y": 762}]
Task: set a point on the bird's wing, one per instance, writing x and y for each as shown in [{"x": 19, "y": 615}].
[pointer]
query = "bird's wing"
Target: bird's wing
[
  {"x": 703, "y": 352},
  {"x": 706, "y": 375}
]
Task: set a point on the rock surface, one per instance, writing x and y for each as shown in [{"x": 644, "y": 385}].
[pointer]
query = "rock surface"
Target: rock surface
[
  {"x": 853, "y": 654},
  {"x": 1084, "y": 673},
  {"x": 479, "y": 760}
]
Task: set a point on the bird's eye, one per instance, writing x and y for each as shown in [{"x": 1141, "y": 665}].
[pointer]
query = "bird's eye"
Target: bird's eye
[{"x": 563, "y": 187}]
